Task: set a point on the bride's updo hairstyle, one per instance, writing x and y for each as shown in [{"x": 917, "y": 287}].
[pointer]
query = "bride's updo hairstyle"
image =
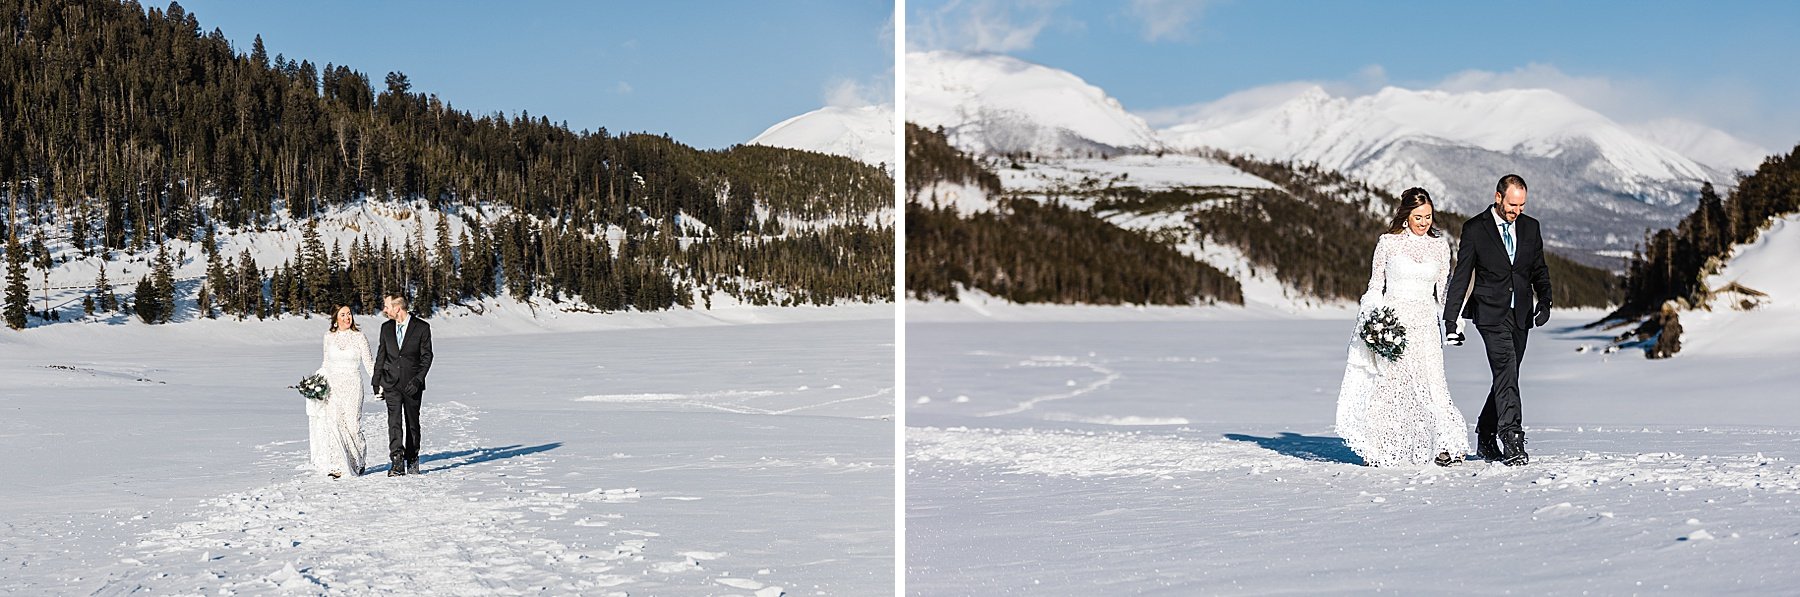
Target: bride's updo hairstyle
[{"x": 1411, "y": 199}]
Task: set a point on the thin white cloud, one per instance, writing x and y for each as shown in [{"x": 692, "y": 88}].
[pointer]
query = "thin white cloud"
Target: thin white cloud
[
  {"x": 848, "y": 94},
  {"x": 1240, "y": 104},
  {"x": 875, "y": 90},
  {"x": 1236, "y": 106},
  {"x": 1166, "y": 20},
  {"x": 982, "y": 25},
  {"x": 622, "y": 88}
]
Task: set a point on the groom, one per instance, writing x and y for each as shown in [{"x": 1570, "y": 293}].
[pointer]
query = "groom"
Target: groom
[
  {"x": 400, "y": 367},
  {"x": 1503, "y": 253}
]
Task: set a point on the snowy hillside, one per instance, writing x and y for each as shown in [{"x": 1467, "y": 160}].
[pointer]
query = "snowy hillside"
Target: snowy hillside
[
  {"x": 277, "y": 241},
  {"x": 1595, "y": 184},
  {"x": 1706, "y": 145},
  {"x": 863, "y": 134},
  {"x": 1000, "y": 104},
  {"x": 72, "y": 275},
  {"x": 1141, "y": 171},
  {"x": 1766, "y": 266}
]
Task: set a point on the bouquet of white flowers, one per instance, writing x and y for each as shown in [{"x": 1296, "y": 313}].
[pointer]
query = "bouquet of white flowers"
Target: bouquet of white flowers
[
  {"x": 1382, "y": 331},
  {"x": 314, "y": 387}
]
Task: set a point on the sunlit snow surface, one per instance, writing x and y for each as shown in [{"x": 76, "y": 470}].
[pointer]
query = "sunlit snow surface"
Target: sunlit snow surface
[{"x": 660, "y": 454}]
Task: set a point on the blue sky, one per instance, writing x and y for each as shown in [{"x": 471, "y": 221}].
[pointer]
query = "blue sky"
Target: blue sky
[
  {"x": 710, "y": 74},
  {"x": 1727, "y": 64}
]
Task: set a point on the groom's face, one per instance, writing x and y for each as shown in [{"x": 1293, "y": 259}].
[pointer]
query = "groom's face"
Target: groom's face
[{"x": 1511, "y": 203}]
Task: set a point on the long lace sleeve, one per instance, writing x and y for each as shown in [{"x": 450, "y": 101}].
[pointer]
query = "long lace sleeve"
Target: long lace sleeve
[
  {"x": 1440, "y": 254},
  {"x": 368, "y": 361},
  {"x": 1371, "y": 299}
]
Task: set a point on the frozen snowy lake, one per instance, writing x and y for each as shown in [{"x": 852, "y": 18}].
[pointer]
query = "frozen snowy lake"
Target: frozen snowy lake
[
  {"x": 747, "y": 459},
  {"x": 1197, "y": 456}
]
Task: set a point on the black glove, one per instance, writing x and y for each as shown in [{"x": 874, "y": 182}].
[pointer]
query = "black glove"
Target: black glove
[
  {"x": 412, "y": 388},
  {"x": 1453, "y": 338},
  {"x": 1543, "y": 315}
]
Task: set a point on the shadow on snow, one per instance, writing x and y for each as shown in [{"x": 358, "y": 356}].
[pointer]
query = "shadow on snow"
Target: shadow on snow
[
  {"x": 474, "y": 456},
  {"x": 1304, "y": 447}
]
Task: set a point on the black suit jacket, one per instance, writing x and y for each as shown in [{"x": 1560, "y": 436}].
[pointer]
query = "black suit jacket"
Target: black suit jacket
[
  {"x": 1481, "y": 259},
  {"x": 405, "y": 361}
]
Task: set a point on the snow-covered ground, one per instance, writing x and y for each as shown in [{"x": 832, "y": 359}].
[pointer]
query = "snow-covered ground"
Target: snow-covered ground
[
  {"x": 1766, "y": 266},
  {"x": 662, "y": 454},
  {"x": 1145, "y": 171},
  {"x": 1085, "y": 450}
]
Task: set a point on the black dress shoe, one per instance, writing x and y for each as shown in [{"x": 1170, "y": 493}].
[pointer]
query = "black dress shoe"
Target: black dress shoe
[
  {"x": 412, "y": 467},
  {"x": 396, "y": 469},
  {"x": 1445, "y": 459},
  {"x": 1487, "y": 446},
  {"x": 1515, "y": 450}
]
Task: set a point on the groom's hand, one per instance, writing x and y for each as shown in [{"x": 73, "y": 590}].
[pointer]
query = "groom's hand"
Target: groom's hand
[
  {"x": 1453, "y": 338},
  {"x": 1543, "y": 315}
]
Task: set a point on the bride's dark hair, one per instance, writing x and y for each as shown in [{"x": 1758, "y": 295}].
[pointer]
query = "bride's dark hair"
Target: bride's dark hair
[
  {"x": 1410, "y": 200},
  {"x": 334, "y": 313}
]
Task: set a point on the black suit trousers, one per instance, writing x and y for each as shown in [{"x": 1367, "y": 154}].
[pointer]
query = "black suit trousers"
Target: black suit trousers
[
  {"x": 1505, "y": 343},
  {"x": 403, "y": 426}
]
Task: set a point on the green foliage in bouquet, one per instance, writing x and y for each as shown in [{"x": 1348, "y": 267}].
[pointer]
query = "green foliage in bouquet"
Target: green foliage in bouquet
[
  {"x": 313, "y": 387},
  {"x": 1382, "y": 331}
]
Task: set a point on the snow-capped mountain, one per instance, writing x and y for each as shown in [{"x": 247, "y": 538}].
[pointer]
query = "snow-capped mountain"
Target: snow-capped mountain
[
  {"x": 864, "y": 134},
  {"x": 1704, "y": 144},
  {"x": 1596, "y": 184},
  {"x": 990, "y": 103}
]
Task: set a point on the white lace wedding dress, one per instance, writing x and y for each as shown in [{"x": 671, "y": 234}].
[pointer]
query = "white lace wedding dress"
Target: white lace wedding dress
[
  {"x": 1399, "y": 413},
  {"x": 334, "y": 425}
]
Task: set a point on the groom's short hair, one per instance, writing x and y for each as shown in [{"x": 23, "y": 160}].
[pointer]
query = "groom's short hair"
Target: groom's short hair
[
  {"x": 1509, "y": 181},
  {"x": 400, "y": 298}
]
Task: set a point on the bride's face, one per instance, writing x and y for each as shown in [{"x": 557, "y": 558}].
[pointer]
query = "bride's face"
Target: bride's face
[
  {"x": 343, "y": 318},
  {"x": 1419, "y": 221}
]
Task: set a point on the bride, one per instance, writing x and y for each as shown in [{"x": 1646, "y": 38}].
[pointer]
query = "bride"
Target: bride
[
  {"x": 334, "y": 425},
  {"x": 1399, "y": 413}
]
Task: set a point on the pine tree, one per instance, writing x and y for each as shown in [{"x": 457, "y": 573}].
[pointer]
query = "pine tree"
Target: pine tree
[
  {"x": 369, "y": 284},
  {"x": 78, "y": 231},
  {"x": 218, "y": 280},
  {"x": 418, "y": 269},
  {"x": 446, "y": 263},
  {"x": 109, "y": 302},
  {"x": 314, "y": 291},
  {"x": 163, "y": 283},
  {"x": 339, "y": 283},
  {"x": 18, "y": 301},
  {"x": 249, "y": 287},
  {"x": 147, "y": 305},
  {"x": 469, "y": 273}
]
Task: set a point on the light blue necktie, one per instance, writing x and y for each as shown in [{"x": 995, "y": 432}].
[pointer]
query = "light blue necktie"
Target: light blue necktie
[{"x": 1506, "y": 233}]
